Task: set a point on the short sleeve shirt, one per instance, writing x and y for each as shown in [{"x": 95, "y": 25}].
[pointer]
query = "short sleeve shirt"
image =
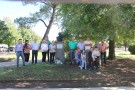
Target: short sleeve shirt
[
  {"x": 87, "y": 47},
  {"x": 72, "y": 45}
]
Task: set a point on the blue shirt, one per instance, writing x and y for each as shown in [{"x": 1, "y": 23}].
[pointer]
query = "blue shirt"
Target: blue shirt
[
  {"x": 48, "y": 42},
  {"x": 81, "y": 46},
  {"x": 19, "y": 47}
]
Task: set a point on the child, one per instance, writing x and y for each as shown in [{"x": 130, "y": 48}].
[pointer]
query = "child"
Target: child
[
  {"x": 78, "y": 56},
  {"x": 95, "y": 56},
  {"x": 83, "y": 58}
]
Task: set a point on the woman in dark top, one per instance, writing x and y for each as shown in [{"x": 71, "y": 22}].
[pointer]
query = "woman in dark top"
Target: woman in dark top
[{"x": 27, "y": 49}]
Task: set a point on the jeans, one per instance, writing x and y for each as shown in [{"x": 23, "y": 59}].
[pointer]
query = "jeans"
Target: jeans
[
  {"x": 79, "y": 62},
  {"x": 83, "y": 64},
  {"x": 34, "y": 54},
  {"x": 18, "y": 54},
  {"x": 72, "y": 55},
  {"x": 103, "y": 54}
]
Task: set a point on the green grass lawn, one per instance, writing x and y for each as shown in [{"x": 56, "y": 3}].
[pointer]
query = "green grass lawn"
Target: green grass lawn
[{"x": 44, "y": 71}]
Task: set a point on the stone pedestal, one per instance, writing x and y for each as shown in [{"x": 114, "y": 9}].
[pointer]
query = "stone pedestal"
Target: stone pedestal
[{"x": 60, "y": 54}]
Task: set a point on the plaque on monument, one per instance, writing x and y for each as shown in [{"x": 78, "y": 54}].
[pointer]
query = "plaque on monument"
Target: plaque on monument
[
  {"x": 59, "y": 46},
  {"x": 60, "y": 51}
]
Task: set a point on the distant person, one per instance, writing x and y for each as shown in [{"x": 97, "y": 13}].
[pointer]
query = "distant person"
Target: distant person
[
  {"x": 19, "y": 52},
  {"x": 48, "y": 43},
  {"x": 52, "y": 49},
  {"x": 44, "y": 50},
  {"x": 27, "y": 48},
  {"x": 34, "y": 47},
  {"x": 97, "y": 45},
  {"x": 78, "y": 57},
  {"x": 88, "y": 45},
  {"x": 80, "y": 45},
  {"x": 103, "y": 51},
  {"x": 72, "y": 46}
]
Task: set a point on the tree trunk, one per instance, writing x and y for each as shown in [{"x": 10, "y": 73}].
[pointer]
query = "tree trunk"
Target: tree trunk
[
  {"x": 111, "y": 50},
  {"x": 50, "y": 23}
]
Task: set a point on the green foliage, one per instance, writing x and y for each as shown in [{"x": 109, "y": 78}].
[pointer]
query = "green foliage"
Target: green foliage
[
  {"x": 99, "y": 21},
  {"x": 132, "y": 49}
]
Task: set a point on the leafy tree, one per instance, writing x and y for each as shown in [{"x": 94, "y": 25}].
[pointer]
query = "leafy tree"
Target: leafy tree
[
  {"x": 47, "y": 14},
  {"x": 99, "y": 22}
]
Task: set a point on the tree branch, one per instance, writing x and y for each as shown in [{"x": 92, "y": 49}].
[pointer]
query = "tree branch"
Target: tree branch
[{"x": 43, "y": 22}]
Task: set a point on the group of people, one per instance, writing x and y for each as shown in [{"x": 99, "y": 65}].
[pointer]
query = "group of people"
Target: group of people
[
  {"x": 23, "y": 50},
  {"x": 87, "y": 55}
]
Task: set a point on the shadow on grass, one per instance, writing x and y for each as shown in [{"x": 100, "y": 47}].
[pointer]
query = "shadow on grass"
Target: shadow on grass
[{"x": 117, "y": 73}]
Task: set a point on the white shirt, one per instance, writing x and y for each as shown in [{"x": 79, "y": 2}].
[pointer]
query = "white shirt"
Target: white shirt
[
  {"x": 83, "y": 57},
  {"x": 34, "y": 46},
  {"x": 52, "y": 48},
  {"x": 44, "y": 47},
  {"x": 87, "y": 47},
  {"x": 95, "y": 53}
]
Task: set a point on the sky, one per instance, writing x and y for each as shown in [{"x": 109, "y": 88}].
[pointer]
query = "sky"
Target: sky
[{"x": 16, "y": 9}]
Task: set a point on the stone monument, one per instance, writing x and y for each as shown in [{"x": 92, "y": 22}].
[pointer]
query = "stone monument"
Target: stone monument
[{"x": 60, "y": 54}]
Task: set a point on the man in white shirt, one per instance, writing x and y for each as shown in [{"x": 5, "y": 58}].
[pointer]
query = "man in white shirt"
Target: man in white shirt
[
  {"x": 88, "y": 45},
  {"x": 34, "y": 47}
]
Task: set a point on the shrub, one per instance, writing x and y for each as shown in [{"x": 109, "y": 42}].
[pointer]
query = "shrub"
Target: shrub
[{"x": 131, "y": 49}]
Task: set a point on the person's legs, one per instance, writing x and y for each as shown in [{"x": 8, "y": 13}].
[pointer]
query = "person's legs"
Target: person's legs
[
  {"x": 32, "y": 56},
  {"x": 51, "y": 57},
  {"x": 17, "y": 57},
  {"x": 36, "y": 55},
  {"x": 87, "y": 55},
  {"x": 82, "y": 65},
  {"x": 43, "y": 56},
  {"x": 104, "y": 57},
  {"x": 71, "y": 56},
  {"x": 28, "y": 57},
  {"x": 23, "y": 58},
  {"x": 48, "y": 55}
]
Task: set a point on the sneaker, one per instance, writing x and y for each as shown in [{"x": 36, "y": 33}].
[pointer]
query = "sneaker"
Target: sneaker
[{"x": 81, "y": 68}]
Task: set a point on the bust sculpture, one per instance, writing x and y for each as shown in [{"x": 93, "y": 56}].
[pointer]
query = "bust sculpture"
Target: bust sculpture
[{"x": 59, "y": 38}]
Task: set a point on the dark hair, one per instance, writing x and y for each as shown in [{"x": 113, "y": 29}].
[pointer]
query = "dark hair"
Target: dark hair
[{"x": 26, "y": 41}]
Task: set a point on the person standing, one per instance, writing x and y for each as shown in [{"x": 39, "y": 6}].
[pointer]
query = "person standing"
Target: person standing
[
  {"x": 44, "y": 50},
  {"x": 34, "y": 47},
  {"x": 48, "y": 43},
  {"x": 52, "y": 49},
  {"x": 72, "y": 47},
  {"x": 103, "y": 51},
  {"x": 80, "y": 45},
  {"x": 83, "y": 58},
  {"x": 27, "y": 48},
  {"x": 19, "y": 52},
  {"x": 88, "y": 45}
]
